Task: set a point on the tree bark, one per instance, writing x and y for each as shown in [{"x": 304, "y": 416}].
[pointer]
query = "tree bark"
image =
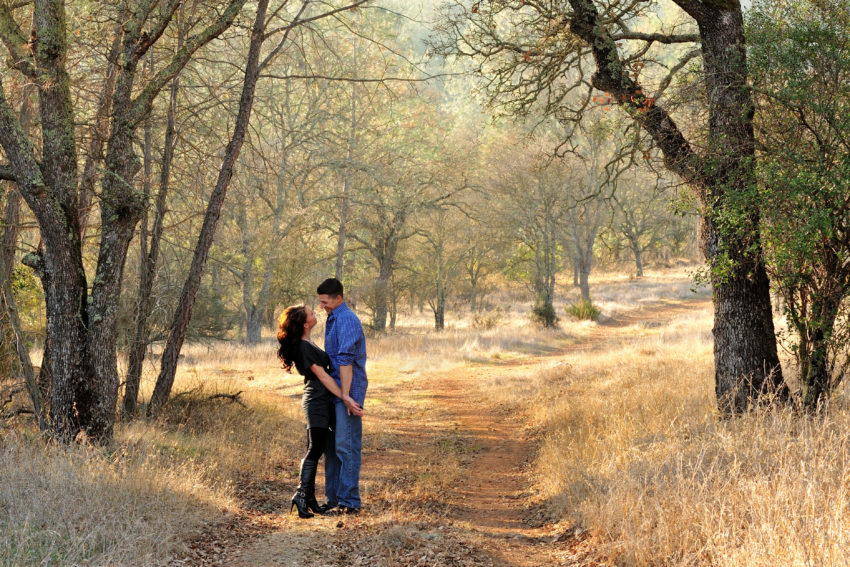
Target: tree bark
[
  {"x": 745, "y": 355},
  {"x": 180, "y": 322},
  {"x": 746, "y": 360},
  {"x": 386, "y": 263}
]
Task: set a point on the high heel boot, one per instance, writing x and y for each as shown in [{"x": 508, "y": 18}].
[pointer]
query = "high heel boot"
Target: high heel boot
[
  {"x": 308, "y": 481},
  {"x": 299, "y": 499}
]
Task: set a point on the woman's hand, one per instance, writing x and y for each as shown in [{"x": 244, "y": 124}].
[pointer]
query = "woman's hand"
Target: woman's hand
[{"x": 353, "y": 407}]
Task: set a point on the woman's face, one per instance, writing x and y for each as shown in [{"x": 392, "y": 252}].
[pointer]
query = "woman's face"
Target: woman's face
[{"x": 311, "y": 318}]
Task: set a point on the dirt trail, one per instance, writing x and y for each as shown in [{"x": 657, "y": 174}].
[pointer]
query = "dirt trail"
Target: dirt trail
[{"x": 483, "y": 519}]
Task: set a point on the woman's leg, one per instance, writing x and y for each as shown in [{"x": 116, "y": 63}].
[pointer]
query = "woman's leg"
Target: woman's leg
[
  {"x": 299, "y": 499},
  {"x": 317, "y": 438}
]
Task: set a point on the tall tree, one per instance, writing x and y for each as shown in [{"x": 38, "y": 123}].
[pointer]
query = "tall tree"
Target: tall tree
[
  {"x": 81, "y": 326},
  {"x": 183, "y": 312},
  {"x": 800, "y": 54},
  {"x": 534, "y": 55}
]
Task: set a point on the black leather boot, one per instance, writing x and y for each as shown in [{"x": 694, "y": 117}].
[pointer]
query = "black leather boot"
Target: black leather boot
[
  {"x": 299, "y": 499},
  {"x": 308, "y": 482}
]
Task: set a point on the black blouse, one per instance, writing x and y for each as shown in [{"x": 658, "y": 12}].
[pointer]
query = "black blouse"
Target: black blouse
[{"x": 309, "y": 354}]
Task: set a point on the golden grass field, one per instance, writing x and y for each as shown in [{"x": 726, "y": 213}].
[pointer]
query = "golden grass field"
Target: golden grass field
[{"x": 630, "y": 450}]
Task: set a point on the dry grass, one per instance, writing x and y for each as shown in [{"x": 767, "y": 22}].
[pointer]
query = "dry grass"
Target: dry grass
[
  {"x": 77, "y": 505},
  {"x": 631, "y": 447},
  {"x": 633, "y": 450}
]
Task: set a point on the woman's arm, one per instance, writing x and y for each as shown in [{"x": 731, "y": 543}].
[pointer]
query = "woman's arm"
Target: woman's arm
[{"x": 329, "y": 383}]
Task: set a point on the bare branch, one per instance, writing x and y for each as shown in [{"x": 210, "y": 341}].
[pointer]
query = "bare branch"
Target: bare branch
[
  {"x": 612, "y": 77},
  {"x": 231, "y": 397},
  {"x": 675, "y": 69},
  {"x": 16, "y": 43},
  {"x": 143, "y": 101},
  {"x": 657, "y": 37},
  {"x": 358, "y": 79},
  {"x": 296, "y": 21}
]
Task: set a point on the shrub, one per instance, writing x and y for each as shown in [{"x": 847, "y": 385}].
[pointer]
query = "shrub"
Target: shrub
[
  {"x": 487, "y": 320},
  {"x": 584, "y": 310},
  {"x": 544, "y": 314}
]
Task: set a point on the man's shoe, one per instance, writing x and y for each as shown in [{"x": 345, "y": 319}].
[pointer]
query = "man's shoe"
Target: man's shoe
[
  {"x": 342, "y": 510},
  {"x": 328, "y": 507}
]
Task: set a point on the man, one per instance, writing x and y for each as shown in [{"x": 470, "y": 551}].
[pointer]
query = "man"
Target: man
[{"x": 345, "y": 343}]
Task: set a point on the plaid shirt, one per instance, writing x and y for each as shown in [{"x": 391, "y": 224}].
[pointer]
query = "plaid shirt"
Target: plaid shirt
[{"x": 345, "y": 343}]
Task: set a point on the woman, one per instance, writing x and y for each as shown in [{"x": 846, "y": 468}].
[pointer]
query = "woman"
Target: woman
[{"x": 296, "y": 348}]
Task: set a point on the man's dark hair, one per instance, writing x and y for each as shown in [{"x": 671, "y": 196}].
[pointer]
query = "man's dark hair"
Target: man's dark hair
[{"x": 331, "y": 287}]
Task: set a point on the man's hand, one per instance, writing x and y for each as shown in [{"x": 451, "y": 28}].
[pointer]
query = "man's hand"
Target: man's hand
[{"x": 352, "y": 406}]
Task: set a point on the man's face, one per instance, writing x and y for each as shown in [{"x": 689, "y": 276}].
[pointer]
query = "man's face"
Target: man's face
[{"x": 329, "y": 302}]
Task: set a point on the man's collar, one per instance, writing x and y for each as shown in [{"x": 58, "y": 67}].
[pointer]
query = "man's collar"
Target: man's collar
[{"x": 338, "y": 309}]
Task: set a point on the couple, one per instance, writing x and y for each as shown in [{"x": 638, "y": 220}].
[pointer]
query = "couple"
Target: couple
[{"x": 334, "y": 392}]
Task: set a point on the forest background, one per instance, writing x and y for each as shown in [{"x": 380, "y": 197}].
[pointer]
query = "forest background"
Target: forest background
[{"x": 206, "y": 164}]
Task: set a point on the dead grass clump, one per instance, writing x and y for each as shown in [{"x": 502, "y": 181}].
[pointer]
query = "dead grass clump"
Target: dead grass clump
[
  {"x": 261, "y": 437},
  {"x": 79, "y": 505}
]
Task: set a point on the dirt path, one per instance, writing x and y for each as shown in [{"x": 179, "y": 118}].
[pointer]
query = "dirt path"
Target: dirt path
[{"x": 445, "y": 479}]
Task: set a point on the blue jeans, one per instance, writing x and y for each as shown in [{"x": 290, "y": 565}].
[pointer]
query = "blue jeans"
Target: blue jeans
[{"x": 342, "y": 459}]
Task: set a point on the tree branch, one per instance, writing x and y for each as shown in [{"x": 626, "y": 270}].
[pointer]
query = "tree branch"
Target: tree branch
[
  {"x": 696, "y": 9},
  {"x": 612, "y": 77},
  {"x": 657, "y": 37},
  {"x": 358, "y": 79},
  {"x": 16, "y": 43},
  {"x": 22, "y": 163},
  {"x": 147, "y": 39},
  {"x": 144, "y": 100},
  {"x": 665, "y": 82}
]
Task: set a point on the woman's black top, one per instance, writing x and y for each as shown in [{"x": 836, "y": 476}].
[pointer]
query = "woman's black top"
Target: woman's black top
[{"x": 317, "y": 402}]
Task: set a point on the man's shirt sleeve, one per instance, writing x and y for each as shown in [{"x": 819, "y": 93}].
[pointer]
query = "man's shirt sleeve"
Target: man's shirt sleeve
[{"x": 348, "y": 333}]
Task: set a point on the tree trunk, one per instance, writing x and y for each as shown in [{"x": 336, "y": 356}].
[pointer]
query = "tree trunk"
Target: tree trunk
[
  {"x": 254, "y": 326},
  {"x": 180, "y": 322},
  {"x": 743, "y": 333},
  {"x": 746, "y": 360},
  {"x": 817, "y": 376},
  {"x": 346, "y": 187},
  {"x": 379, "y": 321},
  {"x": 393, "y": 308},
  {"x": 150, "y": 257},
  {"x": 99, "y": 133},
  {"x": 638, "y": 258},
  {"x": 440, "y": 309}
]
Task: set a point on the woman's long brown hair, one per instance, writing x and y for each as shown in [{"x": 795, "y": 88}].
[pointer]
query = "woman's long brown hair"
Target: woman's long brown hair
[{"x": 290, "y": 329}]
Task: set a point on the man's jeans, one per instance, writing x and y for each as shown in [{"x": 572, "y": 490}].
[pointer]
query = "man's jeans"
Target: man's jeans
[{"x": 342, "y": 459}]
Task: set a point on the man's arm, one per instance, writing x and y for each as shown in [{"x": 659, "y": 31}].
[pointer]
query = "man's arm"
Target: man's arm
[
  {"x": 330, "y": 384},
  {"x": 346, "y": 373}
]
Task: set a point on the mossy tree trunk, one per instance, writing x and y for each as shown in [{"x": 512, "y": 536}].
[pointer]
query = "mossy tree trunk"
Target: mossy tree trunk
[
  {"x": 80, "y": 356},
  {"x": 745, "y": 354}
]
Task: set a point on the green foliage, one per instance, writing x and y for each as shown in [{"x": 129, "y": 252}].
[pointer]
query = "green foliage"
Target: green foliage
[
  {"x": 211, "y": 317},
  {"x": 544, "y": 313},
  {"x": 29, "y": 298},
  {"x": 800, "y": 66},
  {"x": 583, "y": 310}
]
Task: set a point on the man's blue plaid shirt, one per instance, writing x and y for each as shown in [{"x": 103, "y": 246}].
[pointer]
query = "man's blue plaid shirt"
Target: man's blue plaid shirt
[{"x": 345, "y": 343}]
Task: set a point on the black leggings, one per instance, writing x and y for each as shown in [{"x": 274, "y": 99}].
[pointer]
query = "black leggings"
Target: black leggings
[{"x": 317, "y": 440}]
